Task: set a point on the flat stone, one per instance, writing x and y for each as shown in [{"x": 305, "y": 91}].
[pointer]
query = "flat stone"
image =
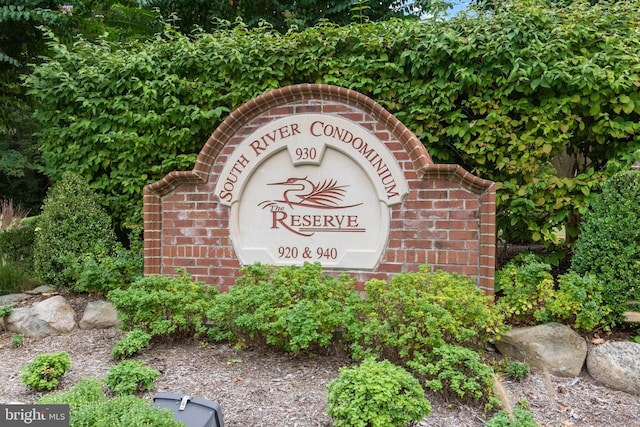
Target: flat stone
[
  {"x": 43, "y": 289},
  {"x": 553, "y": 347},
  {"x": 11, "y": 298},
  {"x": 616, "y": 365}
]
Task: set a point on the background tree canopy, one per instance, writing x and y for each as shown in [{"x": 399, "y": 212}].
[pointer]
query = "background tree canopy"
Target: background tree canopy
[
  {"x": 22, "y": 42},
  {"x": 284, "y": 14},
  {"x": 541, "y": 99}
]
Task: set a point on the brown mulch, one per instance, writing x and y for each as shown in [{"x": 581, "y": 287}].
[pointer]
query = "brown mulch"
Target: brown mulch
[{"x": 268, "y": 389}]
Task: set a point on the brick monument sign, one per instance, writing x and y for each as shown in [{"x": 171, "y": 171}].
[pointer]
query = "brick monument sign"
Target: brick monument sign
[{"x": 318, "y": 173}]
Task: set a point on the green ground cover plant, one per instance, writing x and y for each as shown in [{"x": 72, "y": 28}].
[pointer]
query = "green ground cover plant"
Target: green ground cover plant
[
  {"x": 375, "y": 394},
  {"x": 456, "y": 371},
  {"x": 528, "y": 294},
  {"x": 291, "y": 308},
  {"x": 517, "y": 370},
  {"x": 5, "y": 311},
  {"x": 519, "y": 417},
  {"x": 132, "y": 342},
  {"x": 44, "y": 371},
  {"x": 16, "y": 340},
  {"x": 580, "y": 302}
]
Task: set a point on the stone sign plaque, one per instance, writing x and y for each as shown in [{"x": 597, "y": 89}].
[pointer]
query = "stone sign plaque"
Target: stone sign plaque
[{"x": 311, "y": 188}]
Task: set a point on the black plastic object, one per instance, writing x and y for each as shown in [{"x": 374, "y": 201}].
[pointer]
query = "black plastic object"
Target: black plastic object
[{"x": 192, "y": 411}]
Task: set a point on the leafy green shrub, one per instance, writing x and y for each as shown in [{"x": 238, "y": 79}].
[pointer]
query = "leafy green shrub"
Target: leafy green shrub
[
  {"x": 418, "y": 312},
  {"x": 520, "y": 418},
  {"x": 169, "y": 307},
  {"x": 518, "y": 371},
  {"x": 107, "y": 267},
  {"x": 130, "y": 376},
  {"x": 90, "y": 408},
  {"x": 524, "y": 286},
  {"x": 87, "y": 391},
  {"x": 375, "y": 394},
  {"x": 456, "y": 370},
  {"x": 71, "y": 223},
  {"x": 609, "y": 246},
  {"x": 423, "y": 321},
  {"x": 292, "y": 308},
  {"x": 43, "y": 371},
  {"x": 578, "y": 301},
  {"x": 133, "y": 341}
]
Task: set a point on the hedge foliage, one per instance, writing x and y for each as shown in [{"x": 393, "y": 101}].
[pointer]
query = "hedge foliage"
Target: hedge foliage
[
  {"x": 609, "y": 246},
  {"x": 501, "y": 94}
]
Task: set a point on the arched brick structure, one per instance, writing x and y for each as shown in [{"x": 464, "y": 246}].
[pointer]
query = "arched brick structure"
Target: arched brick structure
[{"x": 447, "y": 219}]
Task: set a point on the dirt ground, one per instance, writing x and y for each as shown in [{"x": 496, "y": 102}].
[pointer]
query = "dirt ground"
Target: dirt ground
[{"x": 257, "y": 389}]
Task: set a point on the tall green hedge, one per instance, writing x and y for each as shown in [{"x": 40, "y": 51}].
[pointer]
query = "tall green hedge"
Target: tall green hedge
[
  {"x": 609, "y": 246},
  {"x": 502, "y": 94}
]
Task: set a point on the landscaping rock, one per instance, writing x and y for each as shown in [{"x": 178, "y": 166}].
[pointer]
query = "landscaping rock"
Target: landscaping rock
[
  {"x": 43, "y": 289},
  {"x": 23, "y": 321},
  {"x": 11, "y": 298},
  {"x": 49, "y": 317},
  {"x": 554, "y": 347},
  {"x": 616, "y": 365},
  {"x": 99, "y": 315}
]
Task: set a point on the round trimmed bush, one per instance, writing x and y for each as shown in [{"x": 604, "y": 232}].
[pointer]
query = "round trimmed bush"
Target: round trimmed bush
[
  {"x": 376, "y": 394},
  {"x": 43, "y": 372}
]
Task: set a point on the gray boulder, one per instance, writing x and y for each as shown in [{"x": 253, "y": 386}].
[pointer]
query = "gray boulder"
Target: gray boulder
[
  {"x": 99, "y": 315},
  {"x": 49, "y": 317},
  {"x": 616, "y": 365},
  {"x": 11, "y": 298},
  {"x": 553, "y": 346}
]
